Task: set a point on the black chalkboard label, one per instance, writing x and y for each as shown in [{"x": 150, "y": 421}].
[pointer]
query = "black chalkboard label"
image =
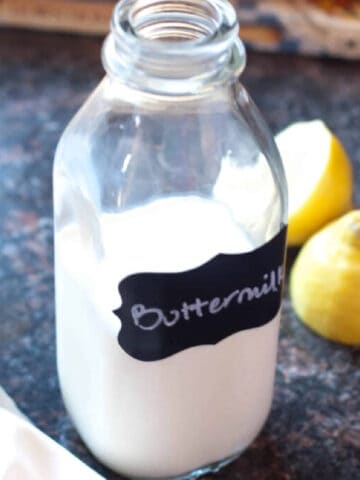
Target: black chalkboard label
[{"x": 164, "y": 313}]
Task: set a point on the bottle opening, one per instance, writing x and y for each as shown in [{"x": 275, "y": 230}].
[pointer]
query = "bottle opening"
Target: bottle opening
[
  {"x": 173, "y": 46},
  {"x": 174, "y": 21}
]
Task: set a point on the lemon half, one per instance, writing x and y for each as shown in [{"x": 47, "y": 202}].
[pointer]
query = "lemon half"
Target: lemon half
[
  {"x": 325, "y": 280},
  {"x": 319, "y": 176}
]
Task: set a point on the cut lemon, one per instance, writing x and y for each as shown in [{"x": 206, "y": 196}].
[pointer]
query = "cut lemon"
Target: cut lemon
[
  {"x": 325, "y": 279},
  {"x": 319, "y": 177}
]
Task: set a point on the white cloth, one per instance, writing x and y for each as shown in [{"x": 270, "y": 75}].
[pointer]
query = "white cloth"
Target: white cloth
[{"x": 28, "y": 454}]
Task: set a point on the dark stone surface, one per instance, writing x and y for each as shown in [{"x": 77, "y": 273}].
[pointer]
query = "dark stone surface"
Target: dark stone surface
[{"x": 314, "y": 428}]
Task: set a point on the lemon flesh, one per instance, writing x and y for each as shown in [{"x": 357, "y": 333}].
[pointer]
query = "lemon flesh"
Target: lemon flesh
[
  {"x": 325, "y": 279},
  {"x": 319, "y": 176}
]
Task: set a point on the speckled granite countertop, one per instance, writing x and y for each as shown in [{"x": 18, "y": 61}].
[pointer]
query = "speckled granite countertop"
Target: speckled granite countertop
[{"x": 314, "y": 429}]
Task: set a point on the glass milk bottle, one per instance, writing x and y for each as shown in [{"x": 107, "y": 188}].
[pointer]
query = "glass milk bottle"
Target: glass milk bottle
[{"x": 170, "y": 224}]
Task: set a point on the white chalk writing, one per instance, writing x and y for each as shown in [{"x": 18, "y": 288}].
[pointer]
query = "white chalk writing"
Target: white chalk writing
[{"x": 151, "y": 318}]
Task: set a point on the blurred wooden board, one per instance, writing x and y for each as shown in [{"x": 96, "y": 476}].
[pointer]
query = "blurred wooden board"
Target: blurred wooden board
[
  {"x": 83, "y": 16},
  {"x": 300, "y": 26},
  {"x": 270, "y": 25}
]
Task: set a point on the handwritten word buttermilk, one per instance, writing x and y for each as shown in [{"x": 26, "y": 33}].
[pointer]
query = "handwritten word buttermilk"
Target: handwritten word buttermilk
[{"x": 150, "y": 318}]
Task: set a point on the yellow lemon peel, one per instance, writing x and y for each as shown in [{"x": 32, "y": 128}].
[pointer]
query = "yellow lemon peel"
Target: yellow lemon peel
[{"x": 325, "y": 280}]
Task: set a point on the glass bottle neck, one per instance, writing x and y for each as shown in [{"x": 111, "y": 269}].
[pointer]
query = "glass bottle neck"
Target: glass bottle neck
[{"x": 173, "y": 47}]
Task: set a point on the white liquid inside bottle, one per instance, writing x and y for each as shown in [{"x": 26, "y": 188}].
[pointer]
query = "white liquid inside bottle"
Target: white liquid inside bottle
[{"x": 166, "y": 417}]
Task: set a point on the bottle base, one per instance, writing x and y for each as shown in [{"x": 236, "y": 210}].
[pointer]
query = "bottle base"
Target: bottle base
[{"x": 211, "y": 468}]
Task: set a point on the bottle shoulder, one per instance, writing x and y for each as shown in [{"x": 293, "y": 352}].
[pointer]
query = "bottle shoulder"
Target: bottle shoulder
[{"x": 215, "y": 146}]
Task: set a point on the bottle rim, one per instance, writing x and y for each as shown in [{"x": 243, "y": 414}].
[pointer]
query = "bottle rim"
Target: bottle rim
[{"x": 173, "y": 45}]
